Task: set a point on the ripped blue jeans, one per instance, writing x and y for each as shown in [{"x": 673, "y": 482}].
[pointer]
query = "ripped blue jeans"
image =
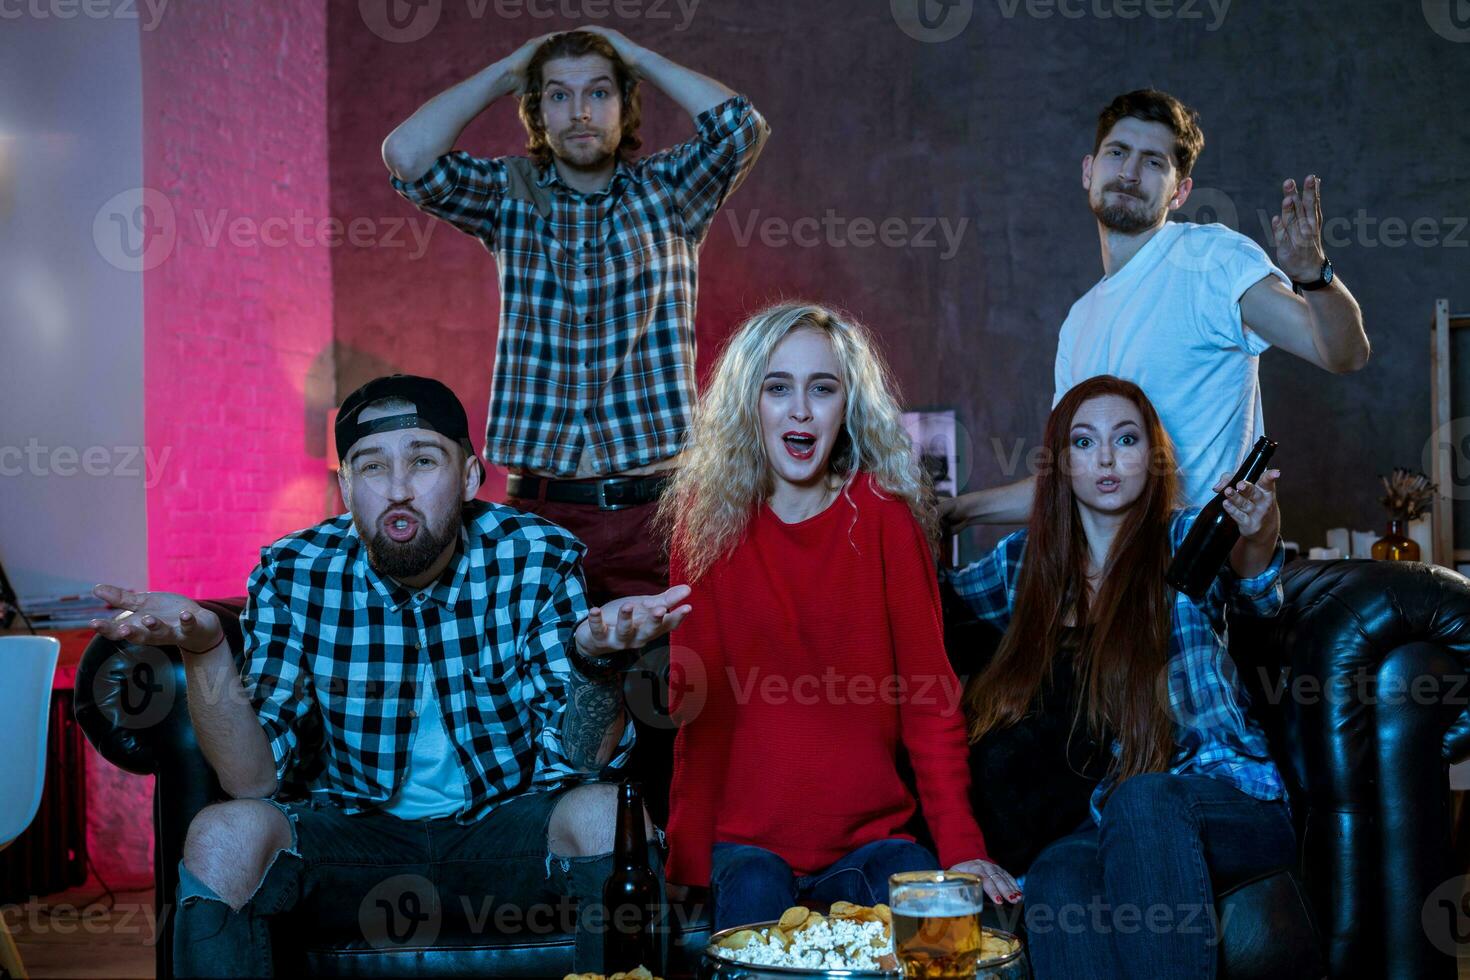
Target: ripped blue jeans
[{"x": 392, "y": 883}]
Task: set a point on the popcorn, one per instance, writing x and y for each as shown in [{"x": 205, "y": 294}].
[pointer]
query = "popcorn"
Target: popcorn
[{"x": 850, "y": 937}]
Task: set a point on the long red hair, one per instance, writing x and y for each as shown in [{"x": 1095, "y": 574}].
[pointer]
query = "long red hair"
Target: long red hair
[{"x": 1124, "y": 648}]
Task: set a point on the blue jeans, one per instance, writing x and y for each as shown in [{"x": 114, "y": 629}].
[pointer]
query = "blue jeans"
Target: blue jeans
[
  {"x": 1135, "y": 897},
  {"x": 399, "y": 884},
  {"x": 750, "y": 884}
]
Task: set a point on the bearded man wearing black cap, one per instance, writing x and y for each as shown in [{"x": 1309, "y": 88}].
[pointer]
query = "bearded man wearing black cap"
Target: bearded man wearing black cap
[{"x": 425, "y": 668}]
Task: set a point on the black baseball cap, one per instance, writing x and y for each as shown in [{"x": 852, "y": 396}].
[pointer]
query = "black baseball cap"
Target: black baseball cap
[{"x": 436, "y": 408}]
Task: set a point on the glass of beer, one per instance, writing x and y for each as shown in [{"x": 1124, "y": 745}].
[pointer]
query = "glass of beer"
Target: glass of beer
[{"x": 936, "y": 923}]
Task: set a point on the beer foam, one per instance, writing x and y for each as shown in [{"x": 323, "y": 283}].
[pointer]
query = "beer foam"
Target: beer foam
[{"x": 948, "y": 906}]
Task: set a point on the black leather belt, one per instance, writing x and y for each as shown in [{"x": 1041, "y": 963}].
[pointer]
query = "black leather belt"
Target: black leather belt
[{"x": 616, "y": 493}]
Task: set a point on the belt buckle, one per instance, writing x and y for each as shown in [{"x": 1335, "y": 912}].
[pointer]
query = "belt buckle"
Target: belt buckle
[{"x": 602, "y": 503}]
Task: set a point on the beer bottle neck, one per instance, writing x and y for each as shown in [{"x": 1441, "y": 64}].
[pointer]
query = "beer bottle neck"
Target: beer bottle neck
[
  {"x": 630, "y": 847},
  {"x": 1255, "y": 463}
]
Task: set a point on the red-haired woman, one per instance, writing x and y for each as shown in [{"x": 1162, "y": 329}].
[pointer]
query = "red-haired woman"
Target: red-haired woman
[{"x": 1191, "y": 794}]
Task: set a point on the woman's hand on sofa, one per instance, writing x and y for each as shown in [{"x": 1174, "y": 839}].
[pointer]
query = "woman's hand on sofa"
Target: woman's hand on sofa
[
  {"x": 159, "y": 619},
  {"x": 998, "y": 883}
]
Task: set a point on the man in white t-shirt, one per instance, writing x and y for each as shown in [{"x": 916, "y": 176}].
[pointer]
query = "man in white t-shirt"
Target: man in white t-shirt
[{"x": 1185, "y": 310}]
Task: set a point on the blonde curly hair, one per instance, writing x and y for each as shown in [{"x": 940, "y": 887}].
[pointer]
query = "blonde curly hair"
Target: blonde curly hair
[{"x": 725, "y": 474}]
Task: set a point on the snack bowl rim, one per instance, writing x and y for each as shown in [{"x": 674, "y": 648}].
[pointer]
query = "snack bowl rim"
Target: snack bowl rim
[{"x": 714, "y": 951}]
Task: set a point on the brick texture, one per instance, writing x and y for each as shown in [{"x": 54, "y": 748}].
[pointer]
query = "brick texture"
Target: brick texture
[{"x": 239, "y": 314}]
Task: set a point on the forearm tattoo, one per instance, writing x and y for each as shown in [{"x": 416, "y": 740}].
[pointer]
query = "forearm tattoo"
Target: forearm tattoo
[{"x": 593, "y": 717}]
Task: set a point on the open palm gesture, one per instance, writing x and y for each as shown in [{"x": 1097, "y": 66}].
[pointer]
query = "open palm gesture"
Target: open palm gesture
[{"x": 160, "y": 619}]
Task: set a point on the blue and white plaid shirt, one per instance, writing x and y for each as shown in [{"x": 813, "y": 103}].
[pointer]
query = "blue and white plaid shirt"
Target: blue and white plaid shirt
[
  {"x": 1215, "y": 737},
  {"x": 596, "y": 344},
  {"x": 333, "y": 651}
]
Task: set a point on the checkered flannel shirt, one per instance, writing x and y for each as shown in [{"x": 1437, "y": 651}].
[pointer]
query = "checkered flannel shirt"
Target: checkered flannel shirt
[
  {"x": 596, "y": 345},
  {"x": 1214, "y": 735},
  {"x": 333, "y": 651}
]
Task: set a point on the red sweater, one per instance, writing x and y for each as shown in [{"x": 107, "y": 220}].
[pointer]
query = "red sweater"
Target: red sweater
[{"x": 816, "y": 648}]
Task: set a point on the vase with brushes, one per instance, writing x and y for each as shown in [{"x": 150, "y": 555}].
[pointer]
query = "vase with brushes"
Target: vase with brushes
[{"x": 1407, "y": 495}]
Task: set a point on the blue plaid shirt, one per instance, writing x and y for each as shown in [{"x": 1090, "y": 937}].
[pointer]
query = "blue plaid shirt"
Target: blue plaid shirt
[
  {"x": 1214, "y": 734},
  {"x": 596, "y": 347},
  {"x": 334, "y": 652}
]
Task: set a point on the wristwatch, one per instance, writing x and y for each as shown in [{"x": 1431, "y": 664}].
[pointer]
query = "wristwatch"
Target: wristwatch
[
  {"x": 1323, "y": 281},
  {"x": 594, "y": 668}
]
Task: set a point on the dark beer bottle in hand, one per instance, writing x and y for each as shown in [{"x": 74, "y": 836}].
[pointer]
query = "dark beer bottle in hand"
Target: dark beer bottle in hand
[
  {"x": 1214, "y": 533},
  {"x": 631, "y": 894}
]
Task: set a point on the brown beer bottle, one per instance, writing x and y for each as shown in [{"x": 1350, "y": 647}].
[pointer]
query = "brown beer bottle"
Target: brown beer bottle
[
  {"x": 1214, "y": 532},
  {"x": 631, "y": 894}
]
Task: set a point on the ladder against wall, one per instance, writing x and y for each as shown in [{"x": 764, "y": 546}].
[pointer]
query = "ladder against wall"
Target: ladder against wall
[{"x": 1450, "y": 452}]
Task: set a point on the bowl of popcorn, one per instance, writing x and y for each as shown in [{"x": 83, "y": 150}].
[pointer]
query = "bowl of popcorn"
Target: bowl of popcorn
[{"x": 848, "y": 941}]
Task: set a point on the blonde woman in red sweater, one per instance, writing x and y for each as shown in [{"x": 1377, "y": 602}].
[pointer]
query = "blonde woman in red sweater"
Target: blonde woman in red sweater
[{"x": 814, "y": 651}]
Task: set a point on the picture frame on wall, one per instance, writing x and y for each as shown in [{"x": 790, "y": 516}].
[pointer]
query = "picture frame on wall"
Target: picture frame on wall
[{"x": 933, "y": 434}]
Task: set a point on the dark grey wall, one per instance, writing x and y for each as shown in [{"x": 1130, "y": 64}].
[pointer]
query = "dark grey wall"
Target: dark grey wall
[
  {"x": 985, "y": 132},
  {"x": 992, "y": 125}
]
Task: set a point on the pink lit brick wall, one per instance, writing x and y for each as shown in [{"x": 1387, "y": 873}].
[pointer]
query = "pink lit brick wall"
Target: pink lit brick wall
[{"x": 239, "y": 314}]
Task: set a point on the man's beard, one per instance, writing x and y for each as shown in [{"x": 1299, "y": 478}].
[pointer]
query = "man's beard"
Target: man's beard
[
  {"x": 414, "y": 556},
  {"x": 588, "y": 157},
  {"x": 1123, "y": 218}
]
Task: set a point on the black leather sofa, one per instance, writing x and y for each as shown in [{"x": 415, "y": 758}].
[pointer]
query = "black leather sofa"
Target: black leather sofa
[
  {"x": 1360, "y": 683},
  {"x": 133, "y": 708},
  {"x": 1361, "y": 686}
]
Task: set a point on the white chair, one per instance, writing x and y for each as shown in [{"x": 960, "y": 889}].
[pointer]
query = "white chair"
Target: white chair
[{"x": 27, "y": 666}]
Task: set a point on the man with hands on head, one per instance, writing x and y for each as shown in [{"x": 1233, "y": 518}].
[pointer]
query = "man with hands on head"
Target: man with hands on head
[
  {"x": 1185, "y": 310},
  {"x": 597, "y": 253},
  {"x": 598, "y": 258},
  {"x": 426, "y": 666}
]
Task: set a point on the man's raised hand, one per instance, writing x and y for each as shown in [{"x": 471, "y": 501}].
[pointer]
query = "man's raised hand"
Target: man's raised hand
[
  {"x": 631, "y": 52},
  {"x": 520, "y": 59},
  {"x": 1298, "y": 230},
  {"x": 631, "y": 622},
  {"x": 159, "y": 619}
]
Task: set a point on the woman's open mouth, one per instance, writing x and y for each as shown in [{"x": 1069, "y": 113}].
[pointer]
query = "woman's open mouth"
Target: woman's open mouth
[
  {"x": 800, "y": 445},
  {"x": 1109, "y": 484}
]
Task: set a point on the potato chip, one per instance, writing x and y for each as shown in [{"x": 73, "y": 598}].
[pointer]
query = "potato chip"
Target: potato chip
[
  {"x": 884, "y": 913},
  {"x": 738, "y": 940},
  {"x": 793, "y": 917},
  {"x": 993, "y": 947},
  {"x": 844, "y": 909}
]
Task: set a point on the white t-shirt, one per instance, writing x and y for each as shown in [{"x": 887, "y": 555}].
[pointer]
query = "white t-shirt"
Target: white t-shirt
[
  {"x": 1169, "y": 321},
  {"x": 434, "y": 784}
]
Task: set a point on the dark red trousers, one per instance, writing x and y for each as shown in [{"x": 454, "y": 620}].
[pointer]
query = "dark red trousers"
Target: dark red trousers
[{"x": 625, "y": 558}]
